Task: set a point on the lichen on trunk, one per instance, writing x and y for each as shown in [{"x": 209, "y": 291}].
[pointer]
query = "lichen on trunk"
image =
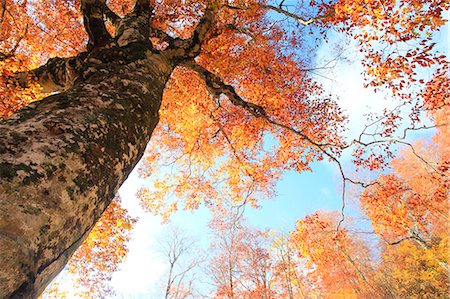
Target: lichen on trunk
[{"x": 63, "y": 159}]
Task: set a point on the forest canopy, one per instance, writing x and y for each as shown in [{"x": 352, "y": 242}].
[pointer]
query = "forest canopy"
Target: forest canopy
[{"x": 240, "y": 102}]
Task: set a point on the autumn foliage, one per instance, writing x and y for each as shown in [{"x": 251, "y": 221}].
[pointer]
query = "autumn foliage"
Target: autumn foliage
[
  {"x": 217, "y": 146},
  {"x": 93, "y": 264}
]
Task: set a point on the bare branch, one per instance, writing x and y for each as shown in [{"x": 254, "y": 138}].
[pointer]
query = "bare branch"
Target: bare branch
[
  {"x": 301, "y": 20},
  {"x": 288, "y": 14},
  {"x": 399, "y": 241},
  {"x": 178, "y": 249}
]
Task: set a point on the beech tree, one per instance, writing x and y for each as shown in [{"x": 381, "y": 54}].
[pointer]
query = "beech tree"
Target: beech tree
[
  {"x": 232, "y": 75},
  {"x": 241, "y": 265},
  {"x": 183, "y": 259},
  {"x": 413, "y": 205},
  {"x": 93, "y": 263},
  {"x": 289, "y": 269},
  {"x": 338, "y": 262}
]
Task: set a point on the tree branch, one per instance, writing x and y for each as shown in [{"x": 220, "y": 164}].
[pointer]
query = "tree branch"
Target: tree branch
[
  {"x": 164, "y": 37},
  {"x": 218, "y": 31},
  {"x": 11, "y": 53},
  {"x": 135, "y": 26},
  {"x": 191, "y": 47},
  {"x": 142, "y": 6},
  {"x": 279, "y": 9},
  {"x": 217, "y": 87},
  {"x": 301, "y": 20},
  {"x": 2, "y": 15},
  {"x": 93, "y": 18},
  {"x": 399, "y": 241},
  {"x": 56, "y": 75},
  {"x": 4, "y": 56},
  {"x": 201, "y": 31},
  {"x": 111, "y": 16}
]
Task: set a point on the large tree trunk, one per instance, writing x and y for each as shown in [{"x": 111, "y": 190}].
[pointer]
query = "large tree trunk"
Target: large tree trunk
[{"x": 62, "y": 160}]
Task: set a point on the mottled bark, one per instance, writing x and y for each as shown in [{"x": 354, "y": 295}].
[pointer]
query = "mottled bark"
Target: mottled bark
[
  {"x": 62, "y": 160},
  {"x": 57, "y": 74}
]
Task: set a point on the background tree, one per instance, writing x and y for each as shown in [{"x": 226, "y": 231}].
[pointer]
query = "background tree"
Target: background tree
[
  {"x": 247, "y": 77},
  {"x": 225, "y": 266},
  {"x": 412, "y": 203},
  {"x": 290, "y": 270},
  {"x": 414, "y": 271},
  {"x": 259, "y": 265},
  {"x": 183, "y": 259},
  {"x": 339, "y": 264},
  {"x": 241, "y": 264}
]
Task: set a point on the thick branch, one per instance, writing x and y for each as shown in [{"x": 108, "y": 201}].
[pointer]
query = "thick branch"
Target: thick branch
[
  {"x": 135, "y": 27},
  {"x": 206, "y": 22},
  {"x": 217, "y": 87},
  {"x": 57, "y": 74},
  {"x": 111, "y": 16},
  {"x": 191, "y": 47},
  {"x": 142, "y": 6},
  {"x": 93, "y": 18},
  {"x": 299, "y": 19}
]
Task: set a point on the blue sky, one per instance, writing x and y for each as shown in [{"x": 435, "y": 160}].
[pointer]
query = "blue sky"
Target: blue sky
[{"x": 298, "y": 194}]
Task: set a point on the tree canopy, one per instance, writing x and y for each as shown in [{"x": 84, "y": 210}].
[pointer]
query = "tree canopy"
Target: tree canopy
[{"x": 242, "y": 105}]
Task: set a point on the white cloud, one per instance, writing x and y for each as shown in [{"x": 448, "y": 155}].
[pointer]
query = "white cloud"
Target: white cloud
[
  {"x": 345, "y": 81},
  {"x": 143, "y": 268}
]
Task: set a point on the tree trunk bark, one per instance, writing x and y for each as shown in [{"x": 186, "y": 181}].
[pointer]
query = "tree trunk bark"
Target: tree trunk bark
[{"x": 63, "y": 159}]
